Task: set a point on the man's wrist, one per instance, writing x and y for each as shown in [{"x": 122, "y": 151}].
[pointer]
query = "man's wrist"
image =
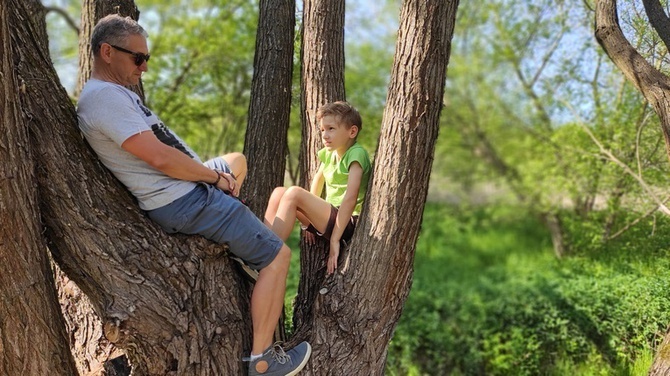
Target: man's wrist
[{"x": 218, "y": 178}]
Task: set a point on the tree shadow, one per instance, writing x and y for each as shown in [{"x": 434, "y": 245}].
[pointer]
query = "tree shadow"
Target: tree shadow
[{"x": 586, "y": 325}]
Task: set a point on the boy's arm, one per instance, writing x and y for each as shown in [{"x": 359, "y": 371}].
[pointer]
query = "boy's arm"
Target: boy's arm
[
  {"x": 316, "y": 188},
  {"x": 317, "y": 182},
  {"x": 344, "y": 213}
]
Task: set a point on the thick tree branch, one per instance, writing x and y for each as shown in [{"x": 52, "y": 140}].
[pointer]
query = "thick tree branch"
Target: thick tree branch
[
  {"x": 658, "y": 19},
  {"x": 654, "y": 85}
]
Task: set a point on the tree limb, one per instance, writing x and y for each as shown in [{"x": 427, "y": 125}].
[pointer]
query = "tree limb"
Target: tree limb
[
  {"x": 654, "y": 85},
  {"x": 658, "y": 19},
  {"x": 69, "y": 20}
]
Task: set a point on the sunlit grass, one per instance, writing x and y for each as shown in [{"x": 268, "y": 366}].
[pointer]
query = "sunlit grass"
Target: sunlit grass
[{"x": 490, "y": 297}]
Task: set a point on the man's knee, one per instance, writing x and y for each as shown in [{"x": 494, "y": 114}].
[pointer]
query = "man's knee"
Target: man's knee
[
  {"x": 282, "y": 259},
  {"x": 237, "y": 162}
]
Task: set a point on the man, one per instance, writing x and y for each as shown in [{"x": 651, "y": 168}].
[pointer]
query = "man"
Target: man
[{"x": 175, "y": 188}]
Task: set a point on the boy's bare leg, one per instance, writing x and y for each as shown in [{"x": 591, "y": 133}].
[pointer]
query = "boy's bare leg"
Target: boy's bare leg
[
  {"x": 273, "y": 205},
  {"x": 267, "y": 300},
  {"x": 298, "y": 203}
]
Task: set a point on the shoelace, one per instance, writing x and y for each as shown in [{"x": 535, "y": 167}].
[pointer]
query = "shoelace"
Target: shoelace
[{"x": 279, "y": 354}]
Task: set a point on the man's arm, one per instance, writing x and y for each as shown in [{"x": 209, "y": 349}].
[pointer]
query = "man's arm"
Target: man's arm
[{"x": 173, "y": 162}]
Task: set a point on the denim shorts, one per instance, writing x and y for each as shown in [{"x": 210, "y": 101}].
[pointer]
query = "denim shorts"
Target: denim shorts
[{"x": 209, "y": 212}]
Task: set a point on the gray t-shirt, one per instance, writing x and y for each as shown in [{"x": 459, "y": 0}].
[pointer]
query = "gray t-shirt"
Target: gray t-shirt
[{"x": 108, "y": 115}]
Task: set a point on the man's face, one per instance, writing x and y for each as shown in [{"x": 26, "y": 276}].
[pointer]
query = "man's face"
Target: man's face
[{"x": 123, "y": 68}]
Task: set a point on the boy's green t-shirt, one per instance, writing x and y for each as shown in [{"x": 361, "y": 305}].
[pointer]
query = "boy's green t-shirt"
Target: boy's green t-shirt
[{"x": 336, "y": 174}]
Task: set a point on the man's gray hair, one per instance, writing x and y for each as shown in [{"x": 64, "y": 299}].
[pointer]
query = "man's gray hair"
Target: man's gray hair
[{"x": 114, "y": 29}]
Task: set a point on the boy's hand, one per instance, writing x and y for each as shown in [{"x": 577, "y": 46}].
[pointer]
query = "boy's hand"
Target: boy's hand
[{"x": 332, "y": 256}]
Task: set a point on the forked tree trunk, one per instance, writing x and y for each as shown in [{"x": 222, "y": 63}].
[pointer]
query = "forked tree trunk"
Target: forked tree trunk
[
  {"x": 322, "y": 82},
  {"x": 32, "y": 333},
  {"x": 93, "y": 353},
  {"x": 356, "y": 315},
  {"x": 654, "y": 86},
  {"x": 174, "y": 303}
]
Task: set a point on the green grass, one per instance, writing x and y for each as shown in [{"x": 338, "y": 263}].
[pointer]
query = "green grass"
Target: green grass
[{"x": 489, "y": 297}]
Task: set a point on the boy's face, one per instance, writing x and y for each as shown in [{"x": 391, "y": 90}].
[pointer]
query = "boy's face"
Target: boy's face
[{"x": 335, "y": 134}]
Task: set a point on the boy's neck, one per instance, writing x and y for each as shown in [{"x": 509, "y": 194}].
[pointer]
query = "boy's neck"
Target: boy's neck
[{"x": 340, "y": 152}]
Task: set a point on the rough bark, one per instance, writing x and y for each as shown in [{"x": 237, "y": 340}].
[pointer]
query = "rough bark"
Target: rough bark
[
  {"x": 91, "y": 12},
  {"x": 661, "y": 365},
  {"x": 658, "y": 19},
  {"x": 32, "y": 333},
  {"x": 322, "y": 73},
  {"x": 654, "y": 86},
  {"x": 356, "y": 316},
  {"x": 322, "y": 82},
  {"x": 265, "y": 143},
  {"x": 174, "y": 303},
  {"x": 93, "y": 353}
]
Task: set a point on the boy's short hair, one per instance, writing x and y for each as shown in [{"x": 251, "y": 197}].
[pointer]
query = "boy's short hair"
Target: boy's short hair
[
  {"x": 114, "y": 29},
  {"x": 347, "y": 113}
]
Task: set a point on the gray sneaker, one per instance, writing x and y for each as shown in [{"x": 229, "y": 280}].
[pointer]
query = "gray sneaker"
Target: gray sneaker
[{"x": 276, "y": 362}]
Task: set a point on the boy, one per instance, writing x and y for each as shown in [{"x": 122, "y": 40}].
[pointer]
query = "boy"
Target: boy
[{"x": 344, "y": 172}]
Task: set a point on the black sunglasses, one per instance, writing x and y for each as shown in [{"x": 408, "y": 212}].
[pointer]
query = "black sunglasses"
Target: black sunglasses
[{"x": 139, "y": 57}]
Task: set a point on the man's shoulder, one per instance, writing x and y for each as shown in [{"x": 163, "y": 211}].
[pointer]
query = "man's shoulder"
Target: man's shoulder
[{"x": 97, "y": 89}]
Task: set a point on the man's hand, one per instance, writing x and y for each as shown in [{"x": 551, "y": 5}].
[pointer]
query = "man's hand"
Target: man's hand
[
  {"x": 228, "y": 183},
  {"x": 332, "y": 256}
]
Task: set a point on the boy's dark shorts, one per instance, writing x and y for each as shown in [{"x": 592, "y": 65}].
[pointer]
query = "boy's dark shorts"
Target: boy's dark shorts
[
  {"x": 348, "y": 231},
  {"x": 210, "y": 212}
]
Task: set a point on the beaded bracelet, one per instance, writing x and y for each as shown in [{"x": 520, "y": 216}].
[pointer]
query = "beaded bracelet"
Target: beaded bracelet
[{"x": 218, "y": 178}]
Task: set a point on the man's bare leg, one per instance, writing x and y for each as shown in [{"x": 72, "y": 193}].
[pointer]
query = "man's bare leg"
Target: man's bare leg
[
  {"x": 238, "y": 165},
  {"x": 267, "y": 300}
]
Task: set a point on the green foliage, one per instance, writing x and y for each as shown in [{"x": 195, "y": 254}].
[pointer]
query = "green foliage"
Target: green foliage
[
  {"x": 202, "y": 65},
  {"x": 488, "y": 298}
]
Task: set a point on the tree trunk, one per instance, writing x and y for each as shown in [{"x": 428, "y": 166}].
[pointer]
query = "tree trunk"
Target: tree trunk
[
  {"x": 357, "y": 313},
  {"x": 265, "y": 143},
  {"x": 553, "y": 223},
  {"x": 171, "y": 302},
  {"x": 91, "y": 12},
  {"x": 32, "y": 333},
  {"x": 661, "y": 365},
  {"x": 654, "y": 86},
  {"x": 92, "y": 351},
  {"x": 322, "y": 82},
  {"x": 658, "y": 19},
  {"x": 322, "y": 74}
]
